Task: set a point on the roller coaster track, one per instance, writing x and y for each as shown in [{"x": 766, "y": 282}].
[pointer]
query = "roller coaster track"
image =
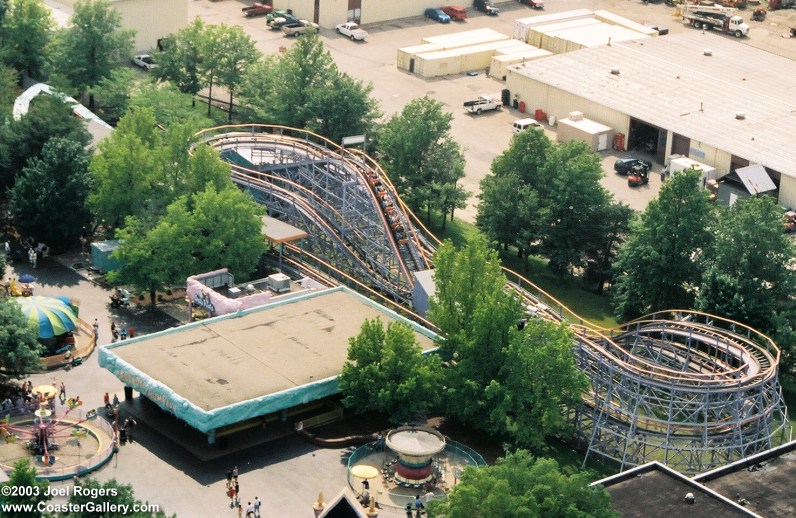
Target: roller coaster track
[{"x": 690, "y": 389}]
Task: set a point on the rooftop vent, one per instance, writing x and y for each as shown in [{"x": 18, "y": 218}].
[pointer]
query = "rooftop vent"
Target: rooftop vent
[
  {"x": 707, "y": 52},
  {"x": 576, "y": 116},
  {"x": 615, "y": 71},
  {"x": 689, "y": 498},
  {"x": 740, "y": 116}
]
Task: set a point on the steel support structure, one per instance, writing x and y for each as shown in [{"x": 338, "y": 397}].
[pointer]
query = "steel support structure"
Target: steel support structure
[{"x": 690, "y": 390}]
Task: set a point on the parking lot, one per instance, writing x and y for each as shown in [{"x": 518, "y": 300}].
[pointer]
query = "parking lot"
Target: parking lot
[{"x": 483, "y": 137}]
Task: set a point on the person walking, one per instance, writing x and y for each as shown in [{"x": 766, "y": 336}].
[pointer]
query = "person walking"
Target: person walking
[
  {"x": 62, "y": 393},
  {"x": 250, "y": 510},
  {"x": 229, "y": 477},
  {"x": 237, "y": 493},
  {"x": 96, "y": 328},
  {"x": 257, "y": 507}
]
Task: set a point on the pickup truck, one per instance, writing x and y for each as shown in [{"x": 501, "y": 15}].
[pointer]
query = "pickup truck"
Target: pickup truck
[
  {"x": 484, "y": 103},
  {"x": 351, "y": 30},
  {"x": 256, "y": 9},
  {"x": 277, "y": 22},
  {"x": 294, "y": 29}
]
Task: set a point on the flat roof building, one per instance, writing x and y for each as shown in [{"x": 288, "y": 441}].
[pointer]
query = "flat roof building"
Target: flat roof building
[
  {"x": 242, "y": 366},
  {"x": 703, "y": 96}
]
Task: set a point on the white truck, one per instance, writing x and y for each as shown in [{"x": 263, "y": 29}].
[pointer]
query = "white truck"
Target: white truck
[
  {"x": 483, "y": 103},
  {"x": 352, "y": 30},
  {"x": 716, "y": 17}
]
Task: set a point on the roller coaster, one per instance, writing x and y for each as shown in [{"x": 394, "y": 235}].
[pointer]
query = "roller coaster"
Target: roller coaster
[{"x": 692, "y": 390}]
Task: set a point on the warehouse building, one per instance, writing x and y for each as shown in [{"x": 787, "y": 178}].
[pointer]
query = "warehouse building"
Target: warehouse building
[{"x": 703, "y": 96}]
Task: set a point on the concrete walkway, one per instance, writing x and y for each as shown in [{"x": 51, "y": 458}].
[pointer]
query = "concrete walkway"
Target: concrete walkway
[{"x": 286, "y": 474}]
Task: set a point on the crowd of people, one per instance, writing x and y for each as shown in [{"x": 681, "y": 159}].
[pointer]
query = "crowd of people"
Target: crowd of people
[{"x": 233, "y": 492}]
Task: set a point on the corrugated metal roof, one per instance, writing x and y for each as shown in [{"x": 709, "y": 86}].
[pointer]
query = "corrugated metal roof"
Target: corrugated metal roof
[{"x": 670, "y": 82}]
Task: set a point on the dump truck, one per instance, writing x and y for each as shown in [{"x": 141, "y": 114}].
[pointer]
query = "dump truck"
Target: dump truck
[
  {"x": 483, "y": 103},
  {"x": 715, "y": 17}
]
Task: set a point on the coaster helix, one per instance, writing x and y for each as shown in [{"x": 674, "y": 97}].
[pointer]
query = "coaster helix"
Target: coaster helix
[{"x": 692, "y": 390}]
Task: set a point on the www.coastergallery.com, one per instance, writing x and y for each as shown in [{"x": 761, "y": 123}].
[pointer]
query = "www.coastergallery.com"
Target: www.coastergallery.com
[{"x": 87, "y": 507}]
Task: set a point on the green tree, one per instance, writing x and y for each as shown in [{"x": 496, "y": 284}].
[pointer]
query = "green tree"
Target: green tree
[
  {"x": 477, "y": 319},
  {"x": 344, "y": 107},
  {"x": 19, "y": 345},
  {"x": 387, "y": 372},
  {"x": 24, "y": 476},
  {"x": 48, "y": 200},
  {"x": 520, "y": 485},
  {"x": 112, "y": 94},
  {"x": 227, "y": 230},
  {"x": 302, "y": 88},
  {"x": 93, "y": 46},
  {"x": 660, "y": 265},
  {"x": 26, "y": 30},
  {"x": 748, "y": 274},
  {"x": 199, "y": 233},
  {"x": 120, "y": 495},
  {"x": 537, "y": 379},
  {"x": 508, "y": 213},
  {"x": 571, "y": 200},
  {"x": 181, "y": 59},
  {"x": 125, "y": 169},
  {"x": 612, "y": 227},
  {"x": 169, "y": 105},
  {"x": 417, "y": 150},
  {"x": 24, "y": 139},
  {"x": 236, "y": 52},
  {"x": 525, "y": 157},
  {"x": 9, "y": 90}
]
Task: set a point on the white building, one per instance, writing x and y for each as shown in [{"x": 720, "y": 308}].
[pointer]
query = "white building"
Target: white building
[{"x": 704, "y": 96}]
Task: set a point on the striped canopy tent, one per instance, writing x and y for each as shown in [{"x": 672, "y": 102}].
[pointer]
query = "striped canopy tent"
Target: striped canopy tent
[{"x": 53, "y": 316}]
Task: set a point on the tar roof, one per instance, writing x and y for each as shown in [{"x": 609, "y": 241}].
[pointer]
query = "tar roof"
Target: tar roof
[
  {"x": 281, "y": 346},
  {"x": 764, "y": 480},
  {"x": 656, "y": 491},
  {"x": 671, "y": 83}
]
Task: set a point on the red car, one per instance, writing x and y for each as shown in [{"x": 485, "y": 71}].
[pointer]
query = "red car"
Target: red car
[
  {"x": 257, "y": 9},
  {"x": 455, "y": 12}
]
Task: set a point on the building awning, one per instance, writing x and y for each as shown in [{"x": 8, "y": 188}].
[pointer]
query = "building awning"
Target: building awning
[
  {"x": 755, "y": 179},
  {"x": 280, "y": 232}
]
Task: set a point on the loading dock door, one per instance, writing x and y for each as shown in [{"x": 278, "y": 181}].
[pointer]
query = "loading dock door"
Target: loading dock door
[{"x": 680, "y": 145}]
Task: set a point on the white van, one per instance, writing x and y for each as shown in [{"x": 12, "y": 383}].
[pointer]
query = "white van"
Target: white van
[{"x": 522, "y": 124}]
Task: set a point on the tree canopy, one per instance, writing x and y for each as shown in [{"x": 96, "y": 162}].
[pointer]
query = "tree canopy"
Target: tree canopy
[
  {"x": 182, "y": 56},
  {"x": 387, "y": 372},
  {"x": 24, "y": 476},
  {"x": 26, "y": 31},
  {"x": 92, "y": 46},
  {"x": 23, "y": 139},
  {"x": 421, "y": 156},
  {"x": 660, "y": 265},
  {"x": 547, "y": 198},
  {"x": 19, "y": 345},
  {"x": 748, "y": 274},
  {"x": 303, "y": 88},
  {"x": 48, "y": 200},
  {"x": 199, "y": 233},
  {"x": 522, "y": 486}
]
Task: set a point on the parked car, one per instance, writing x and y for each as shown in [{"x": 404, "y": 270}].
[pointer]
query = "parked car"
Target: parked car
[
  {"x": 455, "y": 12},
  {"x": 351, "y": 30},
  {"x": 257, "y": 9},
  {"x": 294, "y": 29},
  {"x": 624, "y": 165},
  {"x": 280, "y": 21},
  {"x": 437, "y": 15},
  {"x": 144, "y": 61},
  {"x": 536, "y": 4},
  {"x": 486, "y": 6}
]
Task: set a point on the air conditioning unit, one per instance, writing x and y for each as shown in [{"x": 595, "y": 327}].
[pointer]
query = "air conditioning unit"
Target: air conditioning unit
[
  {"x": 278, "y": 283},
  {"x": 576, "y": 116}
]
